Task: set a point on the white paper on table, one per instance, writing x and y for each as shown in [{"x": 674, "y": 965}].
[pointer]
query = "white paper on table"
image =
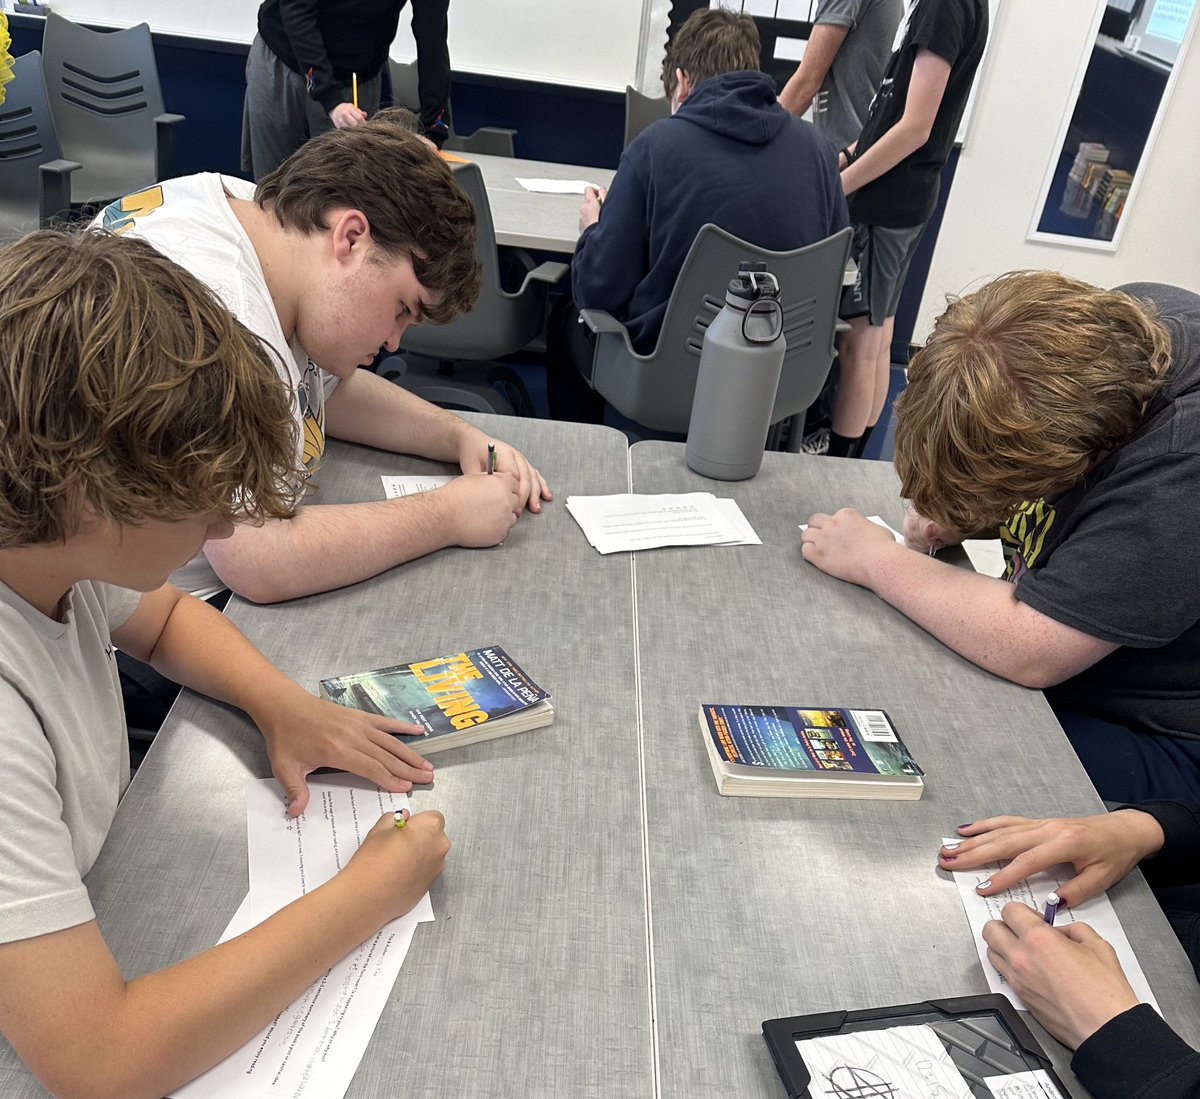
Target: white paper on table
[
  {"x": 314, "y": 1046},
  {"x": 558, "y": 186},
  {"x": 395, "y": 487},
  {"x": 631, "y": 521},
  {"x": 1022, "y": 1085},
  {"x": 738, "y": 521},
  {"x": 288, "y": 857},
  {"x": 986, "y": 555},
  {"x": 905, "y": 1062},
  {"x": 879, "y": 523},
  {"x": 1097, "y": 913}
]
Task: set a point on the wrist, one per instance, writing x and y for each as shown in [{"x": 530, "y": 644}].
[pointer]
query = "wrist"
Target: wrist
[{"x": 1144, "y": 830}]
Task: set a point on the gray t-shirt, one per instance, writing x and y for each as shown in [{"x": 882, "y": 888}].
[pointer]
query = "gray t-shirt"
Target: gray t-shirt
[
  {"x": 857, "y": 69},
  {"x": 64, "y": 751},
  {"x": 1116, "y": 556}
]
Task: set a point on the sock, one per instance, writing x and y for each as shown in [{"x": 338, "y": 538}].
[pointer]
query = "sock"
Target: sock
[
  {"x": 861, "y": 444},
  {"x": 841, "y": 446}
]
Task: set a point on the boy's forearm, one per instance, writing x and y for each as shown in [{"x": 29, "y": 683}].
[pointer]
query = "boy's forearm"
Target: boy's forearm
[
  {"x": 901, "y": 140},
  {"x": 327, "y": 546}
]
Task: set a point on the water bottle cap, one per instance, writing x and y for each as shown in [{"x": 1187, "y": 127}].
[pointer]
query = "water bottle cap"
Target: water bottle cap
[{"x": 753, "y": 281}]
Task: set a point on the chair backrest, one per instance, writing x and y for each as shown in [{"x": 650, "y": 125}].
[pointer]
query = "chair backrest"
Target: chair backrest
[
  {"x": 657, "y": 389},
  {"x": 497, "y": 325},
  {"x": 27, "y": 140},
  {"x": 104, "y": 93},
  {"x": 406, "y": 93},
  {"x": 641, "y": 110}
]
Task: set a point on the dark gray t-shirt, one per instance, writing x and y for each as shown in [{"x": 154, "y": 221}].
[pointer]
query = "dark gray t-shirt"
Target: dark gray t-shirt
[
  {"x": 857, "y": 69},
  {"x": 1118, "y": 556}
]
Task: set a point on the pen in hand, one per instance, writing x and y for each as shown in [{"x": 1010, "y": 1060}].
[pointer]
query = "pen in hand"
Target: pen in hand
[
  {"x": 1052, "y": 903},
  {"x": 491, "y": 457}
]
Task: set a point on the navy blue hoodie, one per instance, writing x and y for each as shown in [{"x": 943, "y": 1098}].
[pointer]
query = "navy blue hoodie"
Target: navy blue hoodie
[{"x": 730, "y": 155}]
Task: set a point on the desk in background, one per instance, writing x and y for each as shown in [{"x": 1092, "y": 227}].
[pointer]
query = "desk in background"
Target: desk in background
[
  {"x": 528, "y": 219},
  {"x": 607, "y": 924}
]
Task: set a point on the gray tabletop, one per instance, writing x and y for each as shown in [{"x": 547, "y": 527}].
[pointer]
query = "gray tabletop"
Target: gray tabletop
[
  {"x": 764, "y": 908},
  {"x": 527, "y": 219}
]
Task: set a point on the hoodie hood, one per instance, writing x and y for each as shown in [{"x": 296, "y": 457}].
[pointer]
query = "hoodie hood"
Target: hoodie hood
[{"x": 737, "y": 105}]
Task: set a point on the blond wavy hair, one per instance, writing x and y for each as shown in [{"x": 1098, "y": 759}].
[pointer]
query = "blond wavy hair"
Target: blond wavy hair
[
  {"x": 127, "y": 386},
  {"x": 1024, "y": 385}
]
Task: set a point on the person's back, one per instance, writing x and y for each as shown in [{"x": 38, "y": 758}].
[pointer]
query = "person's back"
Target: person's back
[{"x": 731, "y": 156}]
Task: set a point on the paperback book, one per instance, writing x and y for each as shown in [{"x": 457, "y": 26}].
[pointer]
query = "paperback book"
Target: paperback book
[
  {"x": 459, "y": 699},
  {"x": 787, "y": 752}
]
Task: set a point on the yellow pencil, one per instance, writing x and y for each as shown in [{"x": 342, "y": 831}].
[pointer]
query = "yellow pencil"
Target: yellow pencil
[{"x": 354, "y": 85}]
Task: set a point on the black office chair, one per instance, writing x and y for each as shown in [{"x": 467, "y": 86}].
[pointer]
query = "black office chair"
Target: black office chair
[
  {"x": 656, "y": 389},
  {"x": 641, "y": 110},
  {"x": 108, "y": 108},
  {"x": 35, "y": 182}
]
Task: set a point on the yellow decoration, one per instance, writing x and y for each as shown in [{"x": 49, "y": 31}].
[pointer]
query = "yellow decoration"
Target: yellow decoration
[{"x": 6, "y": 73}]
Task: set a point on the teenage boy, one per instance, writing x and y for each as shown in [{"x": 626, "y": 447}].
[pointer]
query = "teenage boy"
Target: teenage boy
[
  {"x": 891, "y": 176},
  {"x": 139, "y": 420},
  {"x": 1071, "y": 415},
  {"x": 731, "y": 155},
  {"x": 359, "y": 234}
]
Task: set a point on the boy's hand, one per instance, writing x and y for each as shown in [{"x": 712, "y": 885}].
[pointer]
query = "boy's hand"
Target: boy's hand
[
  {"x": 394, "y": 867},
  {"x": 531, "y": 485},
  {"x": 304, "y": 732},
  {"x": 1103, "y": 849},
  {"x": 479, "y": 510},
  {"x": 845, "y": 544},
  {"x": 1068, "y": 976}
]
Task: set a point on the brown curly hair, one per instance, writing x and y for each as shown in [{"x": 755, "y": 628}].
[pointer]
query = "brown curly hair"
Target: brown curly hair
[
  {"x": 1023, "y": 386},
  {"x": 406, "y": 191},
  {"x": 125, "y": 384}
]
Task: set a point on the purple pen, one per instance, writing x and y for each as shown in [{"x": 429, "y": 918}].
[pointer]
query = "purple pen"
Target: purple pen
[{"x": 1052, "y": 903}]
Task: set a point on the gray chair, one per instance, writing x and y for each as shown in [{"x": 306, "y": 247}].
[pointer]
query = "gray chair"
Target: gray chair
[
  {"x": 641, "y": 110},
  {"x": 108, "y": 107},
  {"x": 487, "y": 140},
  {"x": 656, "y": 389},
  {"x": 501, "y": 323},
  {"x": 35, "y": 182}
]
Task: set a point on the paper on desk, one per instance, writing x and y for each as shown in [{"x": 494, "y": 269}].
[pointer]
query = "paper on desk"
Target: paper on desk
[
  {"x": 395, "y": 487},
  {"x": 288, "y": 857},
  {"x": 904, "y": 1062},
  {"x": 631, "y": 521},
  {"x": 1097, "y": 913},
  {"x": 558, "y": 186},
  {"x": 313, "y": 1047}
]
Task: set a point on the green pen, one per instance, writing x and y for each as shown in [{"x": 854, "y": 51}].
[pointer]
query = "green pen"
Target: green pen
[{"x": 491, "y": 457}]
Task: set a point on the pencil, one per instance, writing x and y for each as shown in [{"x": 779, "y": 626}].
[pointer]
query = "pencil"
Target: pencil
[{"x": 354, "y": 87}]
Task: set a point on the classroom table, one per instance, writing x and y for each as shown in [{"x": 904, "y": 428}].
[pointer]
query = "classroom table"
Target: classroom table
[
  {"x": 763, "y": 908},
  {"x": 607, "y": 925},
  {"x": 528, "y": 219}
]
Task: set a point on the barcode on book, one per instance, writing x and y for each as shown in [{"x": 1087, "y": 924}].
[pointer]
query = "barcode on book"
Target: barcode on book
[{"x": 873, "y": 725}]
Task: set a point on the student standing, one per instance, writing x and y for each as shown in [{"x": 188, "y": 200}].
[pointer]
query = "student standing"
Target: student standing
[{"x": 891, "y": 177}]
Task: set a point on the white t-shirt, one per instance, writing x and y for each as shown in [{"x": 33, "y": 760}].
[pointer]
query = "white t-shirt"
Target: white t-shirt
[
  {"x": 64, "y": 753},
  {"x": 190, "y": 221}
]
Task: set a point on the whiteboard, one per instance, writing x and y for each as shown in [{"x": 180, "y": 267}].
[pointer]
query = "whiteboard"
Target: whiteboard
[{"x": 580, "y": 43}]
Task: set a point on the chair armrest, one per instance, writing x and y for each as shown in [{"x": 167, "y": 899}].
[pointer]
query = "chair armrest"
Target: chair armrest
[
  {"x": 600, "y": 322},
  {"x": 55, "y": 190},
  {"x": 163, "y": 124},
  {"x": 549, "y": 272}
]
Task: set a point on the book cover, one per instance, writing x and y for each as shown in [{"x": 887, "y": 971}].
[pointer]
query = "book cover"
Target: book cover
[
  {"x": 779, "y": 750},
  {"x": 464, "y": 698}
]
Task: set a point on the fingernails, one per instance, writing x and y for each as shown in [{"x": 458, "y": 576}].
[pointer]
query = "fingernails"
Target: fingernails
[
  {"x": 985, "y": 884},
  {"x": 962, "y": 826}
]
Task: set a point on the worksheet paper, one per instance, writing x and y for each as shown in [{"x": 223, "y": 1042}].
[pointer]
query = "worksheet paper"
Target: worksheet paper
[
  {"x": 1097, "y": 913},
  {"x": 558, "y": 186},
  {"x": 630, "y": 521},
  {"x": 312, "y": 1047},
  {"x": 395, "y": 487},
  {"x": 879, "y": 523}
]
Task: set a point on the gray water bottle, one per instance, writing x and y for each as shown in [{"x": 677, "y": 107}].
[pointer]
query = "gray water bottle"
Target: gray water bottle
[{"x": 739, "y": 371}]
